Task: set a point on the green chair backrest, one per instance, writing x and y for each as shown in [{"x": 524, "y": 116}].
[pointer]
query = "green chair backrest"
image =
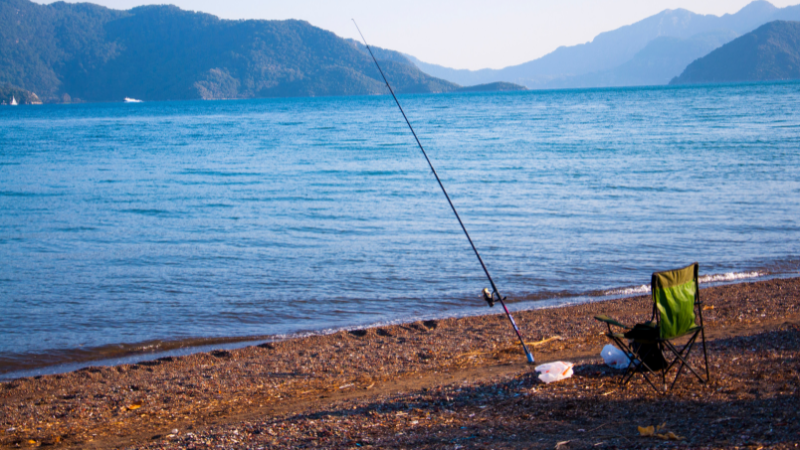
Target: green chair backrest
[{"x": 674, "y": 294}]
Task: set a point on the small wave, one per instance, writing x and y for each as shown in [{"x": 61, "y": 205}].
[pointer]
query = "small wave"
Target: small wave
[
  {"x": 730, "y": 276},
  {"x": 75, "y": 229},
  {"x": 643, "y": 289},
  {"x": 146, "y": 212},
  {"x": 26, "y": 194},
  {"x": 716, "y": 278},
  {"x": 218, "y": 173}
]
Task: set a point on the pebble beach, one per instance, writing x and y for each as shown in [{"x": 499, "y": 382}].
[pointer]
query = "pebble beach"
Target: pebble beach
[{"x": 453, "y": 383}]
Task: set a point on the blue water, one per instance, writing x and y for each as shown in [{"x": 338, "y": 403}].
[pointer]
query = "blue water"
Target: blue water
[{"x": 142, "y": 223}]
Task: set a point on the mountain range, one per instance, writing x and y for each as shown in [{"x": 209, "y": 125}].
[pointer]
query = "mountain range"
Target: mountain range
[
  {"x": 771, "y": 52},
  {"x": 85, "y": 52},
  {"x": 649, "y": 52}
]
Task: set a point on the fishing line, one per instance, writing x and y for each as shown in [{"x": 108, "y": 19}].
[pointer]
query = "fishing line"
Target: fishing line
[{"x": 495, "y": 294}]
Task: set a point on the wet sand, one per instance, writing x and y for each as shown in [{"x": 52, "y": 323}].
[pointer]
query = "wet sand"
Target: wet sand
[{"x": 454, "y": 383}]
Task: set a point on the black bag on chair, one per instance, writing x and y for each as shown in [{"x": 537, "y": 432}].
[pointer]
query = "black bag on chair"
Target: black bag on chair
[
  {"x": 644, "y": 345},
  {"x": 651, "y": 355}
]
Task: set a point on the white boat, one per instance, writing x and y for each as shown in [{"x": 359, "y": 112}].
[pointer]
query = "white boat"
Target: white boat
[
  {"x": 132, "y": 100},
  {"x": 13, "y": 101}
]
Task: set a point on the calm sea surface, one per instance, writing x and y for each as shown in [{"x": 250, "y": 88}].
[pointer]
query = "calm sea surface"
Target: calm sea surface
[{"x": 123, "y": 226}]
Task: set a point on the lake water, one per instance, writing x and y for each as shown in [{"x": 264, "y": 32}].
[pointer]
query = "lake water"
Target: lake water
[{"x": 128, "y": 227}]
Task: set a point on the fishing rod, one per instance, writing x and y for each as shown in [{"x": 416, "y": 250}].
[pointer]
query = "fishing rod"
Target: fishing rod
[{"x": 490, "y": 297}]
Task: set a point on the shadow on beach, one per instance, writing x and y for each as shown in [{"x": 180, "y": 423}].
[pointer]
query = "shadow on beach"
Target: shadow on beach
[{"x": 751, "y": 401}]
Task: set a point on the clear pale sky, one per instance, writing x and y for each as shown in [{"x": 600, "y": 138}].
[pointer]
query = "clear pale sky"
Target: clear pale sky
[{"x": 463, "y": 34}]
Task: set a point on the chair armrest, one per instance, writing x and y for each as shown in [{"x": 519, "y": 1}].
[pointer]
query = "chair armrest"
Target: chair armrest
[{"x": 609, "y": 320}]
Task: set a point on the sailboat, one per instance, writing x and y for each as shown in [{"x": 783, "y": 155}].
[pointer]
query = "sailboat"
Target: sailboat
[{"x": 13, "y": 101}]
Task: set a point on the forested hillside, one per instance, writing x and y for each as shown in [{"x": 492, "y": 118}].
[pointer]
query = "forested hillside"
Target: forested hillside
[
  {"x": 10, "y": 93},
  {"x": 91, "y": 53},
  {"x": 772, "y": 52}
]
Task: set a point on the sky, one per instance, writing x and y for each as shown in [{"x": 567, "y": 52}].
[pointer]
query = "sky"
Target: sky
[{"x": 462, "y": 34}]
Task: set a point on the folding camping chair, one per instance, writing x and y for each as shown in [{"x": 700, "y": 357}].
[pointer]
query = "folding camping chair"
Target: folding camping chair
[{"x": 675, "y": 298}]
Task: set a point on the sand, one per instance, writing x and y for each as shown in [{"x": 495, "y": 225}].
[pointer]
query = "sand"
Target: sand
[{"x": 454, "y": 383}]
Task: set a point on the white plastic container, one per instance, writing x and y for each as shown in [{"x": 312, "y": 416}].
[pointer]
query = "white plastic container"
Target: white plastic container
[{"x": 615, "y": 357}]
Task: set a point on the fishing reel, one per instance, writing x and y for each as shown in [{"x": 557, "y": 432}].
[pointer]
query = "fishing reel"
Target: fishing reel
[{"x": 490, "y": 297}]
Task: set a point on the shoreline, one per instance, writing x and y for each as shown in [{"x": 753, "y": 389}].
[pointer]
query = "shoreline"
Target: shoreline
[
  {"x": 131, "y": 353},
  {"x": 431, "y": 382}
]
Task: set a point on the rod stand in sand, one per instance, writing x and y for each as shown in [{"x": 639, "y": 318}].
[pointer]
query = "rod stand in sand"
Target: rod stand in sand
[{"x": 489, "y": 296}]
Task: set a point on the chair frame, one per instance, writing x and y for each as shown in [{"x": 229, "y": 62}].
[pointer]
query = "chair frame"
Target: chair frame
[{"x": 681, "y": 354}]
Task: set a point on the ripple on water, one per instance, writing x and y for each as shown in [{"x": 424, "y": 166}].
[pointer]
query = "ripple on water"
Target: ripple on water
[{"x": 182, "y": 220}]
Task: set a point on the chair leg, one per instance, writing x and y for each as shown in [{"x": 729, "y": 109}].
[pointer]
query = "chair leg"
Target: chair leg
[
  {"x": 705, "y": 354},
  {"x": 663, "y": 370},
  {"x": 641, "y": 358},
  {"x": 687, "y": 348},
  {"x": 646, "y": 378},
  {"x": 680, "y": 355},
  {"x": 680, "y": 368},
  {"x": 644, "y": 375},
  {"x": 632, "y": 368},
  {"x": 628, "y": 375},
  {"x": 674, "y": 361}
]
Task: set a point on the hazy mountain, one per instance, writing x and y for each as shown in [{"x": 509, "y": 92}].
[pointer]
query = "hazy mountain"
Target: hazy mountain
[
  {"x": 772, "y": 52},
  {"x": 654, "y": 64},
  {"x": 161, "y": 52},
  {"x": 464, "y": 76},
  {"x": 650, "y": 51}
]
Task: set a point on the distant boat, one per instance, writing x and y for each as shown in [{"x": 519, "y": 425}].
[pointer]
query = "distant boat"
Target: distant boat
[
  {"x": 132, "y": 100},
  {"x": 13, "y": 101}
]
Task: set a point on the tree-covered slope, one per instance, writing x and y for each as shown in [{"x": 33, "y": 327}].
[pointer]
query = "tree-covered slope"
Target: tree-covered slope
[
  {"x": 771, "y": 52},
  {"x": 36, "y": 42},
  {"x": 10, "y": 93},
  {"x": 162, "y": 52}
]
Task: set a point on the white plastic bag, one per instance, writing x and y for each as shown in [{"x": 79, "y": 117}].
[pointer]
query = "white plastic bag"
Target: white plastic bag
[
  {"x": 554, "y": 371},
  {"x": 615, "y": 357}
]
